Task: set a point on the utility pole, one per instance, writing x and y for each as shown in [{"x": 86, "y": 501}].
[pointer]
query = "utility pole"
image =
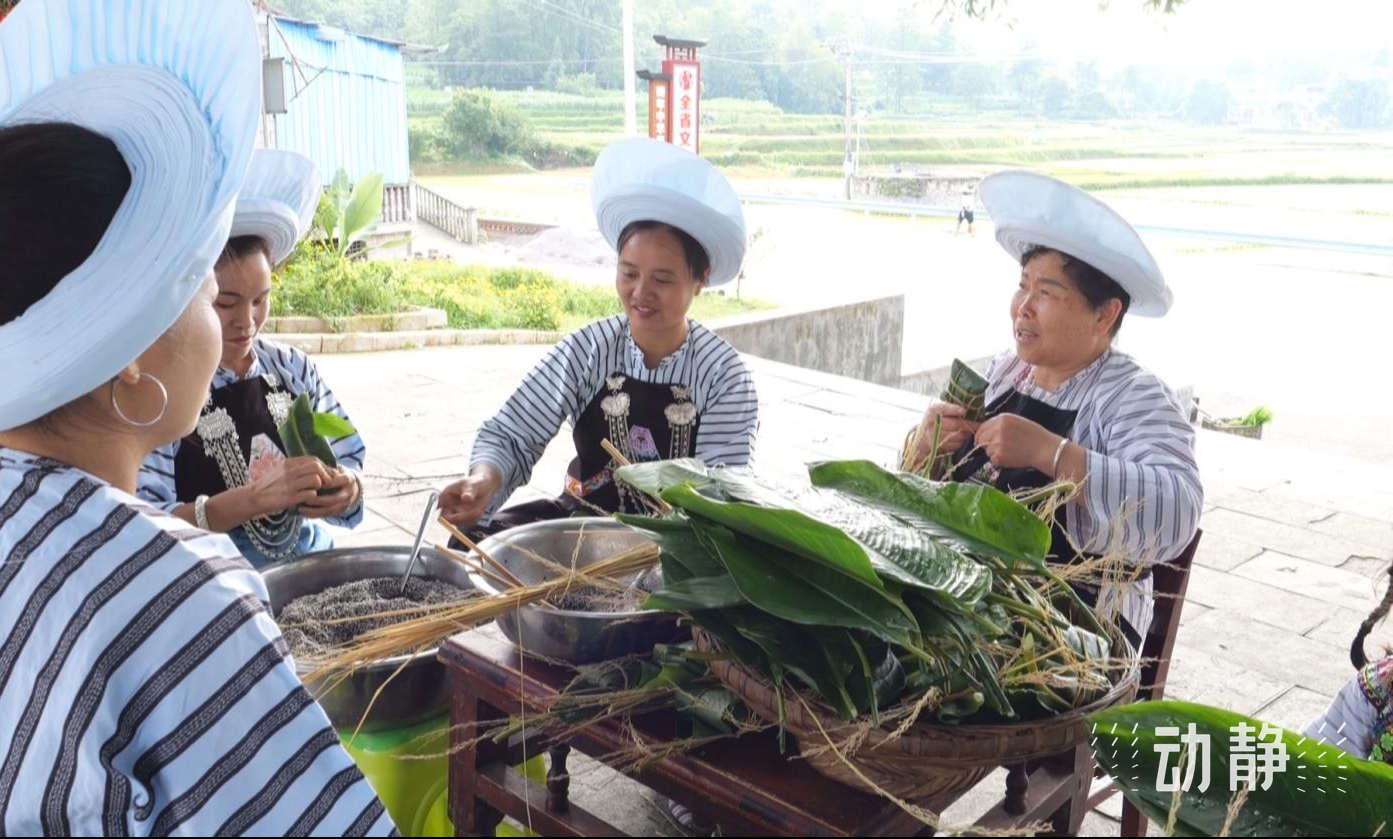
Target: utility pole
[
  {"x": 630, "y": 96},
  {"x": 848, "y": 160}
]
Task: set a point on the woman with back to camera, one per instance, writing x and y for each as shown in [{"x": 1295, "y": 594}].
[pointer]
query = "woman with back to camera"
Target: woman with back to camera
[{"x": 144, "y": 688}]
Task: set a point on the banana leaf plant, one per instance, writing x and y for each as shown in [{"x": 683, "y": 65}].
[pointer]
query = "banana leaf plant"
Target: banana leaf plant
[
  {"x": 873, "y": 587},
  {"x": 1320, "y": 791},
  {"x": 346, "y": 211}
]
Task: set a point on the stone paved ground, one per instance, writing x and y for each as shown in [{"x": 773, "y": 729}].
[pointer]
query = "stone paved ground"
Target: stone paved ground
[{"x": 1296, "y": 531}]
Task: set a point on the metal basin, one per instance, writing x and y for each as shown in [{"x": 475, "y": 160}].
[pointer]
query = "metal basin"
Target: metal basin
[
  {"x": 574, "y": 636},
  {"x": 416, "y": 694}
]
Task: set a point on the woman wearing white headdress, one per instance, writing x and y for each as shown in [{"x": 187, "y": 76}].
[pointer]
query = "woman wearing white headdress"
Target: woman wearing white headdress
[
  {"x": 1063, "y": 404},
  {"x": 231, "y": 474},
  {"x": 144, "y": 688},
  {"x": 655, "y": 383}
]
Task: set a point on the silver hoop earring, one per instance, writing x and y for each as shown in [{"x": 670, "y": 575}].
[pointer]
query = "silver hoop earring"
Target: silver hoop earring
[{"x": 164, "y": 404}]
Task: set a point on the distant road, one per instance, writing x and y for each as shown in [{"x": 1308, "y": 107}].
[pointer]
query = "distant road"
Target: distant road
[{"x": 889, "y": 207}]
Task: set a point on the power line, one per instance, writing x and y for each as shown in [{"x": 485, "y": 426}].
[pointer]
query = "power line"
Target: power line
[
  {"x": 518, "y": 63},
  {"x": 797, "y": 62},
  {"x": 544, "y": 5}
]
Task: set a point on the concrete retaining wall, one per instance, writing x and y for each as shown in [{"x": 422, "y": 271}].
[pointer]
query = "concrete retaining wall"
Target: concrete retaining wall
[{"x": 862, "y": 340}]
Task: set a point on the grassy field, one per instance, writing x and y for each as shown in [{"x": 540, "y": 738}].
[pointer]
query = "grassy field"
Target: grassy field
[{"x": 757, "y": 139}]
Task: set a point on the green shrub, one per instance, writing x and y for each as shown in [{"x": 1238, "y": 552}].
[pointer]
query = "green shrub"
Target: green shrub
[
  {"x": 478, "y": 124},
  {"x": 534, "y": 306},
  {"x": 320, "y": 283},
  {"x": 426, "y": 144}
]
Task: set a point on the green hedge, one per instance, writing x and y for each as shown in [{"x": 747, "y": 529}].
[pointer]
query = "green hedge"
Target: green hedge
[{"x": 317, "y": 283}]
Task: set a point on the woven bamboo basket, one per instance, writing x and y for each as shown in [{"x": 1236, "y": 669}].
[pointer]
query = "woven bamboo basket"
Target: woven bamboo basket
[{"x": 926, "y": 760}]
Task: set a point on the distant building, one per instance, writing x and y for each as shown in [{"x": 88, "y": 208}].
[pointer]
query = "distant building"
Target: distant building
[{"x": 339, "y": 98}]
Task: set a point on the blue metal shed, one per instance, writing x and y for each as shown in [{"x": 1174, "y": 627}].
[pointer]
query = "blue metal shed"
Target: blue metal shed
[{"x": 345, "y": 99}]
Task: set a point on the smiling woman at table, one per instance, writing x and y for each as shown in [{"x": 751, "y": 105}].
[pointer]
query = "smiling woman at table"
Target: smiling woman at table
[
  {"x": 1064, "y": 405},
  {"x": 653, "y": 382}
]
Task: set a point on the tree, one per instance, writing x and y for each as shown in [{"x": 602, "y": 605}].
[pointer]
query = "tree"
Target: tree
[
  {"x": 1056, "y": 95},
  {"x": 900, "y": 80},
  {"x": 1026, "y": 81},
  {"x": 976, "y": 82},
  {"x": 810, "y": 81},
  {"x": 479, "y": 125},
  {"x": 1208, "y": 102},
  {"x": 1358, "y": 103}
]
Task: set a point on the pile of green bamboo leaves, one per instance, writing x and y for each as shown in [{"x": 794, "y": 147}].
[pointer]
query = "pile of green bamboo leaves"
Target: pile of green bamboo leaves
[{"x": 875, "y": 588}]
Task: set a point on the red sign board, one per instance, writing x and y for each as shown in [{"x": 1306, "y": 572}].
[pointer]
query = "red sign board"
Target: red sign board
[
  {"x": 658, "y": 110},
  {"x": 684, "y": 104}
]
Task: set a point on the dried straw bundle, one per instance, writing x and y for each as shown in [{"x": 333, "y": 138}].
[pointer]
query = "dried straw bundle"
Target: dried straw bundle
[{"x": 429, "y": 630}]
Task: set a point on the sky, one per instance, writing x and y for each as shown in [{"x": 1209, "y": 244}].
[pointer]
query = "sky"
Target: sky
[{"x": 1205, "y": 35}]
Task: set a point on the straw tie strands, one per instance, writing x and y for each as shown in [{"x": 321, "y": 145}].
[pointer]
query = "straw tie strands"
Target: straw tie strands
[{"x": 426, "y": 631}]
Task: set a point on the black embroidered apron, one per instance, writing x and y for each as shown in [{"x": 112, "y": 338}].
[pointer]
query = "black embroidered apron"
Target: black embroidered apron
[
  {"x": 196, "y": 470},
  {"x": 644, "y": 421},
  {"x": 969, "y": 462},
  {"x": 215, "y": 459}
]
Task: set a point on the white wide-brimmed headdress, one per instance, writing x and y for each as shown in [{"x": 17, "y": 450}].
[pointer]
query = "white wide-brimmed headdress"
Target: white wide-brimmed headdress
[
  {"x": 278, "y": 200},
  {"x": 176, "y": 85},
  {"x": 648, "y": 180},
  {"x": 1033, "y": 210}
]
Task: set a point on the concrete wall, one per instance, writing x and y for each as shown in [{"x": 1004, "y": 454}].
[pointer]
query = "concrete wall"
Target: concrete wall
[
  {"x": 933, "y": 382},
  {"x": 862, "y": 340}
]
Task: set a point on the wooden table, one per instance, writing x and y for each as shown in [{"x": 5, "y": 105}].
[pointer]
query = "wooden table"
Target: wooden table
[{"x": 745, "y": 785}]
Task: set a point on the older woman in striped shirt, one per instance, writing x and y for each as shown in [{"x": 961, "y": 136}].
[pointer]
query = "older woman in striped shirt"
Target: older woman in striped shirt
[
  {"x": 1064, "y": 405},
  {"x": 652, "y": 382},
  {"x": 144, "y": 688}
]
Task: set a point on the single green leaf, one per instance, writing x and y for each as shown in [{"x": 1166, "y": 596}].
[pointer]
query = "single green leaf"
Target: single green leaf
[
  {"x": 901, "y": 551},
  {"x": 696, "y": 593},
  {"x": 333, "y": 426},
  {"x": 364, "y": 206},
  {"x": 290, "y": 438},
  {"x": 1323, "y": 791},
  {"x": 982, "y": 519},
  {"x": 652, "y": 477},
  {"x": 679, "y": 545},
  {"x": 303, "y": 417},
  {"x": 790, "y": 530},
  {"x": 898, "y": 550}
]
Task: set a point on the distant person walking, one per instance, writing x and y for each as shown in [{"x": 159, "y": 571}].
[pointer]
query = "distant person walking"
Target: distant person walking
[{"x": 966, "y": 214}]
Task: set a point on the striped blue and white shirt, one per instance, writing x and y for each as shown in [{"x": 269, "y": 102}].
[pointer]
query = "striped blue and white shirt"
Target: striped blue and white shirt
[
  {"x": 297, "y": 374},
  {"x": 1142, "y": 495},
  {"x": 567, "y": 379},
  {"x": 1350, "y": 722},
  {"x": 144, "y": 687}
]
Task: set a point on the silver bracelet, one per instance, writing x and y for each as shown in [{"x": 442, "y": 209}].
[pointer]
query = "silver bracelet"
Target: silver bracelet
[
  {"x": 200, "y": 512},
  {"x": 1058, "y": 453}
]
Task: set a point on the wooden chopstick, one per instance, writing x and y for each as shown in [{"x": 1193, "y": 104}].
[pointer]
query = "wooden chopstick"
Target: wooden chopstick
[
  {"x": 475, "y": 565},
  {"x": 663, "y": 507},
  {"x": 498, "y": 567}
]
